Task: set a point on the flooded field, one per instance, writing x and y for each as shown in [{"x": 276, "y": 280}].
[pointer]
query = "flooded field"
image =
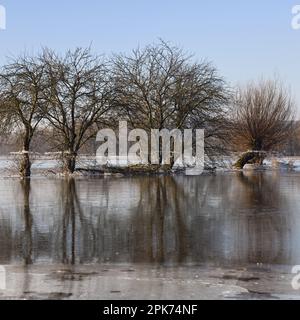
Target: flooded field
[{"x": 233, "y": 235}]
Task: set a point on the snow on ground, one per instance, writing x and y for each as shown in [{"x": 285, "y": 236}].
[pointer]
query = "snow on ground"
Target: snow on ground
[
  {"x": 222, "y": 164},
  {"x": 291, "y": 163}
]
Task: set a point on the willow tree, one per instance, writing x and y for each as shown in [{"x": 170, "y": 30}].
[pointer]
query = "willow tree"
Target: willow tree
[
  {"x": 21, "y": 100},
  {"x": 77, "y": 97},
  {"x": 262, "y": 121}
]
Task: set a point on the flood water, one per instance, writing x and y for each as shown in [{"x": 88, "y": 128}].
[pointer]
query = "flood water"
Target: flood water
[{"x": 228, "y": 219}]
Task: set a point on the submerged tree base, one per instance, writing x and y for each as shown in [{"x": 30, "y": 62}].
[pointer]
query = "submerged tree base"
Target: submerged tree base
[
  {"x": 250, "y": 157},
  {"x": 25, "y": 165},
  {"x": 140, "y": 169}
]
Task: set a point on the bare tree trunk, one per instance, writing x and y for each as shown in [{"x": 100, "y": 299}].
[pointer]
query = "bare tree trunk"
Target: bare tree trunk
[
  {"x": 25, "y": 164},
  {"x": 69, "y": 159}
]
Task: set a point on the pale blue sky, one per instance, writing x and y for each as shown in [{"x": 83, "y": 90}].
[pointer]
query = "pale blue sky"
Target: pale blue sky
[{"x": 244, "y": 39}]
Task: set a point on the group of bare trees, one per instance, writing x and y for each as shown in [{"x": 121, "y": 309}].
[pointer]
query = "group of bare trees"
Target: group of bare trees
[
  {"x": 69, "y": 93},
  {"x": 75, "y": 94},
  {"x": 159, "y": 87}
]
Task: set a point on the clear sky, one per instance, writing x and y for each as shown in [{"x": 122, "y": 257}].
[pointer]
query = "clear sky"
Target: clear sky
[{"x": 245, "y": 39}]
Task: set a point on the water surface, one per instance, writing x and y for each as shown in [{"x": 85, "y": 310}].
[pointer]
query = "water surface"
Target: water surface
[{"x": 225, "y": 220}]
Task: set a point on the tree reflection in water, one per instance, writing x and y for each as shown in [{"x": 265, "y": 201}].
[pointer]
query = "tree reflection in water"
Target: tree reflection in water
[
  {"x": 28, "y": 222},
  {"x": 224, "y": 219}
]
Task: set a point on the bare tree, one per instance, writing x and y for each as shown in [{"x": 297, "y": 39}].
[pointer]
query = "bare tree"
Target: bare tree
[
  {"x": 21, "y": 100},
  {"x": 78, "y": 97},
  {"x": 263, "y": 117},
  {"x": 160, "y": 87},
  {"x": 292, "y": 146}
]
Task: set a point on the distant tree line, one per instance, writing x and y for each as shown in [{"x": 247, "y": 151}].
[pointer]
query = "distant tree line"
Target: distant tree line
[{"x": 61, "y": 101}]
